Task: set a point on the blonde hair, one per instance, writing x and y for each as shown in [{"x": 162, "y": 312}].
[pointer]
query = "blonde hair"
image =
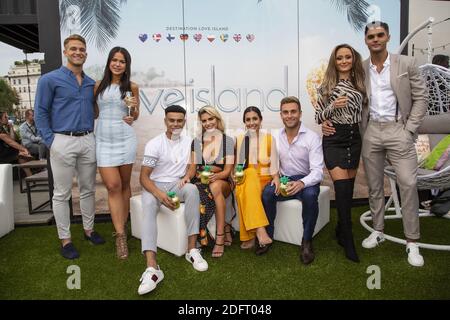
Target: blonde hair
[
  {"x": 214, "y": 113},
  {"x": 331, "y": 77}
]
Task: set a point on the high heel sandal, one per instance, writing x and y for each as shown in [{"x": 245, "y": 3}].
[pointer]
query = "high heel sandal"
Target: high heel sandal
[
  {"x": 218, "y": 254},
  {"x": 268, "y": 240},
  {"x": 230, "y": 231}
]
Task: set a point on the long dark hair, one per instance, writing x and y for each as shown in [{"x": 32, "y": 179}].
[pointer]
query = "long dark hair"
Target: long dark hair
[
  {"x": 331, "y": 77},
  {"x": 125, "y": 83}
]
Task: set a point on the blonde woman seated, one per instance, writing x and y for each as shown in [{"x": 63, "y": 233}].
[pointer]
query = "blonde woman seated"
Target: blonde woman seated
[
  {"x": 257, "y": 157},
  {"x": 213, "y": 150}
]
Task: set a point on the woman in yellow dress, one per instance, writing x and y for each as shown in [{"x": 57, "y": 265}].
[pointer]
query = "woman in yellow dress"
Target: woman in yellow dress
[{"x": 257, "y": 156}]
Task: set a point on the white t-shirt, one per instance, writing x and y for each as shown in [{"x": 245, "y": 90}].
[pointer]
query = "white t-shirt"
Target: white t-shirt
[{"x": 168, "y": 158}]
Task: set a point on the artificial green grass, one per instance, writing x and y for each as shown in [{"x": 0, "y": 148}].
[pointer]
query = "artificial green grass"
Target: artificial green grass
[{"x": 32, "y": 268}]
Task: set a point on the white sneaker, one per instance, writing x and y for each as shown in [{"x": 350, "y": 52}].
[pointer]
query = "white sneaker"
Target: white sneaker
[
  {"x": 373, "y": 240},
  {"x": 194, "y": 257},
  {"x": 150, "y": 278},
  {"x": 414, "y": 257}
]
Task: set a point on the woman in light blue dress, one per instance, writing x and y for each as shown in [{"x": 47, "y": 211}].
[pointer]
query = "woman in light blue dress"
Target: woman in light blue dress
[{"x": 115, "y": 138}]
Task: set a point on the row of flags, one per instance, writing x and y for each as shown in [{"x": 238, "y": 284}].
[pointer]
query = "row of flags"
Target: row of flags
[{"x": 224, "y": 37}]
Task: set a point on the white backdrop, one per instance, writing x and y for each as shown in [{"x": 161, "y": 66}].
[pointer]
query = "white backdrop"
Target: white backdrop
[{"x": 230, "y": 54}]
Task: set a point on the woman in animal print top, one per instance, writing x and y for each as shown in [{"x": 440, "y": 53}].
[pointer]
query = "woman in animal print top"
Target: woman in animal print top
[{"x": 340, "y": 101}]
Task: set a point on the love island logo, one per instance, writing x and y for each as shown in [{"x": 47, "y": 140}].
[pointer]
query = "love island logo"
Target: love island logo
[{"x": 227, "y": 100}]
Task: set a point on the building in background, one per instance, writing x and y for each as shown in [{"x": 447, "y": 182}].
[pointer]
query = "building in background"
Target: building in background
[{"x": 23, "y": 78}]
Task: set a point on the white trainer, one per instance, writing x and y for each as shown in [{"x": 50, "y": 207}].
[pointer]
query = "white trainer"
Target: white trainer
[
  {"x": 414, "y": 257},
  {"x": 194, "y": 257},
  {"x": 373, "y": 240},
  {"x": 149, "y": 279}
]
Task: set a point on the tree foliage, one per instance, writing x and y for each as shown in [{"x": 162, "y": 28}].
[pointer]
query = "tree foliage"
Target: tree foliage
[{"x": 8, "y": 97}]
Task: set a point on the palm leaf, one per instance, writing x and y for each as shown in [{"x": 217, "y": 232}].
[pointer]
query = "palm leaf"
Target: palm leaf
[
  {"x": 356, "y": 11},
  {"x": 63, "y": 12},
  {"x": 100, "y": 19}
]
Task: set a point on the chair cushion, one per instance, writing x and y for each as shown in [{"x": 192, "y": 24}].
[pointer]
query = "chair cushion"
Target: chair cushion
[
  {"x": 444, "y": 160},
  {"x": 435, "y": 124},
  {"x": 446, "y": 164},
  {"x": 434, "y": 139},
  {"x": 424, "y": 172},
  {"x": 438, "y": 155}
]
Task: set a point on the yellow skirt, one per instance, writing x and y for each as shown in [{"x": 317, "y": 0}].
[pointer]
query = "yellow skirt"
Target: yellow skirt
[{"x": 251, "y": 210}]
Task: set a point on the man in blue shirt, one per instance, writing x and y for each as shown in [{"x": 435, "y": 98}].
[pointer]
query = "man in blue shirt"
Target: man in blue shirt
[{"x": 64, "y": 109}]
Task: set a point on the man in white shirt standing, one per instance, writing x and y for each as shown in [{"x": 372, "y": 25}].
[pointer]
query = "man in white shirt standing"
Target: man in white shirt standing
[
  {"x": 301, "y": 160},
  {"x": 397, "y": 105},
  {"x": 164, "y": 169}
]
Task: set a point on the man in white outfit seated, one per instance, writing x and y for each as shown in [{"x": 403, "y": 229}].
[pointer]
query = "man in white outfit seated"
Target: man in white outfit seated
[{"x": 163, "y": 170}]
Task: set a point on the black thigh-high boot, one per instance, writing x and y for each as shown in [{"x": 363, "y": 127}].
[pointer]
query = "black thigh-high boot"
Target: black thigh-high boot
[
  {"x": 350, "y": 201},
  {"x": 344, "y": 195},
  {"x": 337, "y": 230},
  {"x": 353, "y": 188}
]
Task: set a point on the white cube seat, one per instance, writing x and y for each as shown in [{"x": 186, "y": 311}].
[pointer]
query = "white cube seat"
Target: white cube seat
[
  {"x": 289, "y": 222},
  {"x": 6, "y": 199},
  {"x": 172, "y": 235}
]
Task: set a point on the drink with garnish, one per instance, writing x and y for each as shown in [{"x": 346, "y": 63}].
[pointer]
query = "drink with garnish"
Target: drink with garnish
[
  {"x": 239, "y": 174},
  {"x": 128, "y": 101},
  {"x": 283, "y": 186}
]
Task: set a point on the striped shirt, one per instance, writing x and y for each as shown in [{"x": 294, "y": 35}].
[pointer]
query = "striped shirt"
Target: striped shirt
[{"x": 347, "y": 115}]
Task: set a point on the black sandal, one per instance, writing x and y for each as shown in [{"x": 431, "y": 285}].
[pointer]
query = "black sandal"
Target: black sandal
[
  {"x": 231, "y": 231},
  {"x": 218, "y": 254}
]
